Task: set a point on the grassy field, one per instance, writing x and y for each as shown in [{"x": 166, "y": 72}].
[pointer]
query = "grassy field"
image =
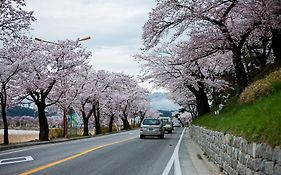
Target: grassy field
[{"x": 257, "y": 122}]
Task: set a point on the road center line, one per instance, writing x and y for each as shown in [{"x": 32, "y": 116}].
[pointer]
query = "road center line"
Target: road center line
[{"x": 71, "y": 157}]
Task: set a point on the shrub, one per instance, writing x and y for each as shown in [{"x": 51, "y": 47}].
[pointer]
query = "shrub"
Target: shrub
[
  {"x": 55, "y": 133},
  {"x": 261, "y": 88},
  {"x": 106, "y": 129}
]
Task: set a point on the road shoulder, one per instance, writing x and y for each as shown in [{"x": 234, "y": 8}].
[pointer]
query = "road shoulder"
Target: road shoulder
[{"x": 193, "y": 160}]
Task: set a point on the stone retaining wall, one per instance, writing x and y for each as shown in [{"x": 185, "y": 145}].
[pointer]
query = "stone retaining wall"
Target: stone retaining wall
[{"x": 235, "y": 155}]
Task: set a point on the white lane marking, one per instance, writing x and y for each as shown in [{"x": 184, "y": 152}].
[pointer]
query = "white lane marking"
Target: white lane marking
[
  {"x": 84, "y": 140},
  {"x": 16, "y": 151},
  {"x": 174, "y": 160},
  {"x": 15, "y": 160}
]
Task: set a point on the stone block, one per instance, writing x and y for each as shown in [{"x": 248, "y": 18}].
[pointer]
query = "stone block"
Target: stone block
[
  {"x": 262, "y": 166},
  {"x": 268, "y": 154},
  {"x": 237, "y": 142},
  {"x": 227, "y": 139},
  {"x": 277, "y": 170},
  {"x": 224, "y": 148},
  {"x": 241, "y": 169},
  {"x": 265, "y": 151},
  {"x": 251, "y": 164},
  {"x": 228, "y": 150},
  {"x": 235, "y": 154},
  {"x": 243, "y": 158},
  {"x": 268, "y": 167},
  {"x": 232, "y": 171},
  {"x": 258, "y": 163},
  {"x": 244, "y": 146},
  {"x": 259, "y": 173},
  {"x": 277, "y": 155},
  {"x": 252, "y": 149},
  {"x": 249, "y": 172},
  {"x": 259, "y": 149},
  {"x": 234, "y": 163}
]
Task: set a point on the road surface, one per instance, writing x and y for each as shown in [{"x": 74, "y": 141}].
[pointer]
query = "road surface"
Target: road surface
[{"x": 116, "y": 154}]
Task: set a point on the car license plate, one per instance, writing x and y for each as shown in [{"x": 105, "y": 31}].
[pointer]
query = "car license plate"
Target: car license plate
[{"x": 150, "y": 129}]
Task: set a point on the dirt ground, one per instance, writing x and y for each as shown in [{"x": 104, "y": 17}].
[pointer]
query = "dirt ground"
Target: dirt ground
[
  {"x": 16, "y": 136},
  {"x": 19, "y": 138}
]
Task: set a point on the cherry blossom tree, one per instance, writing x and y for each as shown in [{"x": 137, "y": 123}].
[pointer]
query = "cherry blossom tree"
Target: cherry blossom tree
[
  {"x": 129, "y": 93},
  {"x": 185, "y": 118},
  {"x": 101, "y": 84},
  {"x": 92, "y": 98},
  {"x": 71, "y": 86},
  {"x": 271, "y": 16},
  {"x": 48, "y": 64},
  {"x": 229, "y": 22},
  {"x": 12, "y": 61},
  {"x": 108, "y": 97},
  {"x": 14, "y": 19},
  {"x": 181, "y": 69}
]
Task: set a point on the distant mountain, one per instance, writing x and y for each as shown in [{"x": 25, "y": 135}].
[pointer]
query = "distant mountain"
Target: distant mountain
[
  {"x": 160, "y": 101},
  {"x": 20, "y": 111},
  {"x": 166, "y": 113}
]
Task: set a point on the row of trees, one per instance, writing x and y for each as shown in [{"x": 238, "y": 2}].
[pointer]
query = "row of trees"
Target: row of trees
[
  {"x": 58, "y": 74},
  {"x": 198, "y": 49}
]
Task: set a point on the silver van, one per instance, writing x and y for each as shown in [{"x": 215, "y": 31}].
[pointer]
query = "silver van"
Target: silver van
[{"x": 151, "y": 127}]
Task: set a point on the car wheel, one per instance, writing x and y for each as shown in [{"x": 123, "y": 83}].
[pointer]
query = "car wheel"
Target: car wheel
[{"x": 170, "y": 131}]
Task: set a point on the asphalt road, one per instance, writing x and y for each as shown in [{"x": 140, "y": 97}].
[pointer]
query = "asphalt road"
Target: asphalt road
[{"x": 117, "y": 154}]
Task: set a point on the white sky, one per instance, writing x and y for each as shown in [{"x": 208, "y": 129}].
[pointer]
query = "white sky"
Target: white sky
[{"x": 114, "y": 25}]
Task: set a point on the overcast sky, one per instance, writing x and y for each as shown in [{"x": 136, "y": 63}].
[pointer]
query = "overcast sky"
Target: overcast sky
[{"x": 114, "y": 25}]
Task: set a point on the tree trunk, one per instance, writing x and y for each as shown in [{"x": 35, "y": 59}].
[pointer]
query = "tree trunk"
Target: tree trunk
[
  {"x": 97, "y": 118},
  {"x": 3, "y": 113},
  {"x": 142, "y": 115},
  {"x": 86, "y": 126},
  {"x": 97, "y": 125},
  {"x": 110, "y": 125},
  {"x": 202, "y": 102},
  {"x": 43, "y": 122},
  {"x": 4, "y": 117},
  {"x": 65, "y": 132},
  {"x": 241, "y": 76},
  {"x": 276, "y": 44},
  {"x": 126, "y": 124}
]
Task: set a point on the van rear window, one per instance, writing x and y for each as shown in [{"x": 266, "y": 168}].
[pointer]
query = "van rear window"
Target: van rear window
[{"x": 151, "y": 122}]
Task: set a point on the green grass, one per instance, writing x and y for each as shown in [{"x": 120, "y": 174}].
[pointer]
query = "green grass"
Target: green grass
[{"x": 257, "y": 122}]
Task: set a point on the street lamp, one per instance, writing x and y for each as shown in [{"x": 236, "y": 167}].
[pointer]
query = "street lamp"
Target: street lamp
[
  {"x": 64, "y": 112},
  {"x": 85, "y": 38},
  {"x": 50, "y": 42}
]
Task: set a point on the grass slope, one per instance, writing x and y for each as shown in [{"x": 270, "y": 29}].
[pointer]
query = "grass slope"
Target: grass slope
[{"x": 257, "y": 122}]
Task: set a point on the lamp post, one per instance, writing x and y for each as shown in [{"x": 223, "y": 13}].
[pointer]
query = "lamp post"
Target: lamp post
[
  {"x": 50, "y": 42},
  {"x": 65, "y": 129}
]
